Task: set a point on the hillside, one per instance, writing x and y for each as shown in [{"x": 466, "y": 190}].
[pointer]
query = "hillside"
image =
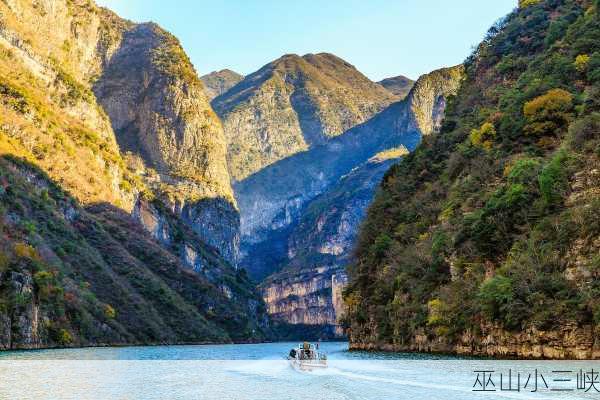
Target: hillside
[
  {"x": 398, "y": 85},
  {"x": 114, "y": 117},
  {"x": 485, "y": 240},
  {"x": 218, "y": 82},
  {"x": 292, "y": 104},
  {"x": 73, "y": 276}
]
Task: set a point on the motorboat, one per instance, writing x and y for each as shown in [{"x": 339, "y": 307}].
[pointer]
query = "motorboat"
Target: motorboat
[{"x": 306, "y": 356}]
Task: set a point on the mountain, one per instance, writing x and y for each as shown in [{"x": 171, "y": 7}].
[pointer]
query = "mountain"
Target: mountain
[
  {"x": 292, "y": 104},
  {"x": 218, "y": 82},
  {"x": 300, "y": 214},
  {"x": 484, "y": 241},
  {"x": 398, "y": 85},
  {"x": 117, "y": 214}
]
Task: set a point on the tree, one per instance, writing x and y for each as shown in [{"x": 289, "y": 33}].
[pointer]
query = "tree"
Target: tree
[
  {"x": 484, "y": 136},
  {"x": 549, "y": 113},
  {"x": 581, "y": 62},
  {"x": 527, "y": 3}
]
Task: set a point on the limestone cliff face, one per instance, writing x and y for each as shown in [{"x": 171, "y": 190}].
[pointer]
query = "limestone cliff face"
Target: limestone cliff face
[
  {"x": 160, "y": 113},
  {"x": 292, "y": 104},
  {"x": 571, "y": 342},
  {"x": 309, "y": 297},
  {"x": 218, "y": 82},
  {"x": 158, "y": 109},
  {"x": 428, "y": 98},
  {"x": 328, "y": 225},
  {"x": 323, "y": 238}
]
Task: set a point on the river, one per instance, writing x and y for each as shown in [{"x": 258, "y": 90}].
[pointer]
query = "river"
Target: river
[{"x": 260, "y": 371}]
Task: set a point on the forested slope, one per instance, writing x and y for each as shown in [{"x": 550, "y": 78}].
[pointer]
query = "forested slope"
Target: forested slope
[{"x": 486, "y": 240}]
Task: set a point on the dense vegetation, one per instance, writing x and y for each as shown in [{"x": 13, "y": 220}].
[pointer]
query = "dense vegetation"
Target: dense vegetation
[
  {"x": 495, "y": 221},
  {"x": 75, "y": 276}
]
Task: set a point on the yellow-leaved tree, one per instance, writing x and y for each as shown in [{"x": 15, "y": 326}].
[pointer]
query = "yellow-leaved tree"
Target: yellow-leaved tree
[{"x": 548, "y": 114}]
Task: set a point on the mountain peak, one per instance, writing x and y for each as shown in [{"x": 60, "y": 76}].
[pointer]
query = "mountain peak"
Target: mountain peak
[
  {"x": 399, "y": 85},
  {"x": 218, "y": 82},
  {"x": 291, "y": 104}
]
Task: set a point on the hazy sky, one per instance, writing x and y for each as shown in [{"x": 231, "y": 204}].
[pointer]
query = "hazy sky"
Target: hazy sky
[{"x": 381, "y": 38}]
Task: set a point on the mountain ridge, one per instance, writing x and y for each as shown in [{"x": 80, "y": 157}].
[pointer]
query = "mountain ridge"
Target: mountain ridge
[{"x": 292, "y": 104}]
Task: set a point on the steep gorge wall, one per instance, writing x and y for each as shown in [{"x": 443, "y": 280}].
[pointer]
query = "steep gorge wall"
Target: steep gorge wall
[{"x": 160, "y": 113}]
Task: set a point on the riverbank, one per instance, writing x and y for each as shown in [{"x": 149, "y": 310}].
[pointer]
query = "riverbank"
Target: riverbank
[{"x": 569, "y": 343}]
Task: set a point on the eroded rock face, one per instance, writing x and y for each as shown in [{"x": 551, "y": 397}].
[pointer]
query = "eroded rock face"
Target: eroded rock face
[
  {"x": 568, "y": 343},
  {"x": 292, "y": 104},
  {"x": 159, "y": 112},
  {"x": 309, "y": 297},
  {"x": 158, "y": 109},
  {"x": 286, "y": 187}
]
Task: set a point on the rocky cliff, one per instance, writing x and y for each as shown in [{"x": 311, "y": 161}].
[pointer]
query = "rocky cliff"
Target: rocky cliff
[
  {"x": 301, "y": 214},
  {"x": 292, "y": 104},
  {"x": 398, "y": 85},
  {"x": 159, "y": 112},
  {"x": 115, "y": 114},
  {"x": 485, "y": 240},
  {"x": 218, "y": 82}
]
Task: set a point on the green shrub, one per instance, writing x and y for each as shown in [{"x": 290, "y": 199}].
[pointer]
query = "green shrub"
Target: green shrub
[
  {"x": 553, "y": 180},
  {"x": 585, "y": 131},
  {"x": 4, "y": 262},
  {"x": 581, "y": 62},
  {"x": 494, "y": 296},
  {"x": 64, "y": 337},
  {"x": 381, "y": 245},
  {"x": 524, "y": 171}
]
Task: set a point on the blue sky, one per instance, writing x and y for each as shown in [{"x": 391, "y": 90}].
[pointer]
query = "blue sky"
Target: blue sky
[{"x": 382, "y": 38}]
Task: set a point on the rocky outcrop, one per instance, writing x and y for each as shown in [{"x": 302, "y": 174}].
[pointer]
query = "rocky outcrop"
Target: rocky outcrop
[
  {"x": 292, "y": 104},
  {"x": 398, "y": 85},
  {"x": 571, "y": 342},
  {"x": 218, "y": 82}
]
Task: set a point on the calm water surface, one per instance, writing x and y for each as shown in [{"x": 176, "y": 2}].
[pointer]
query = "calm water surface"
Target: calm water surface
[{"x": 260, "y": 371}]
